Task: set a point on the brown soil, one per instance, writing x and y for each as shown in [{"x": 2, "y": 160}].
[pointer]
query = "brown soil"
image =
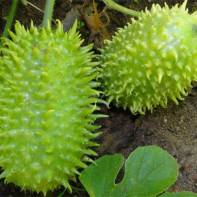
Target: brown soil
[{"x": 174, "y": 128}]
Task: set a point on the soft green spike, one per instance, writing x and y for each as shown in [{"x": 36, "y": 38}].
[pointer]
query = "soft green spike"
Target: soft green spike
[
  {"x": 72, "y": 31},
  {"x": 183, "y": 6}
]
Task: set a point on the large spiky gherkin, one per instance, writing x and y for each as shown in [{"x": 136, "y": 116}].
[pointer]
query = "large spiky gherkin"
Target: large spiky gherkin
[
  {"x": 151, "y": 59},
  {"x": 46, "y": 107}
]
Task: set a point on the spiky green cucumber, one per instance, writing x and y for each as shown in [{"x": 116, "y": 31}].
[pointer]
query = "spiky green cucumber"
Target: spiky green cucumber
[
  {"x": 46, "y": 107},
  {"x": 150, "y": 60}
]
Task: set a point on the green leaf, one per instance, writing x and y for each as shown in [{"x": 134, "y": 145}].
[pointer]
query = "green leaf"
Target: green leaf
[
  {"x": 181, "y": 194},
  {"x": 99, "y": 179},
  {"x": 148, "y": 171}
]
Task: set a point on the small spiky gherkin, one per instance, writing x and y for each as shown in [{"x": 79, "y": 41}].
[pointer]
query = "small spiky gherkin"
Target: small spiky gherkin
[
  {"x": 151, "y": 60},
  {"x": 46, "y": 107}
]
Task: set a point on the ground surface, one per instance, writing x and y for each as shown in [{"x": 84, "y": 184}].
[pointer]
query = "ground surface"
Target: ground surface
[{"x": 174, "y": 128}]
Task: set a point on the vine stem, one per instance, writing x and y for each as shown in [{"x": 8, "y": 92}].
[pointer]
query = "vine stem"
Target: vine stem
[
  {"x": 115, "y": 6},
  {"x": 10, "y": 18},
  {"x": 48, "y": 12}
]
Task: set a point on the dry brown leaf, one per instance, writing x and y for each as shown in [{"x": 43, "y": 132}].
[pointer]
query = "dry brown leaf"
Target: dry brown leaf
[{"x": 90, "y": 15}]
